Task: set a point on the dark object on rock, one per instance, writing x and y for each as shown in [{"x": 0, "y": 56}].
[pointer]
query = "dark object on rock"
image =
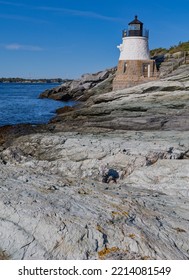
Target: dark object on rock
[
  {"x": 170, "y": 150},
  {"x": 65, "y": 109},
  {"x": 111, "y": 175}
]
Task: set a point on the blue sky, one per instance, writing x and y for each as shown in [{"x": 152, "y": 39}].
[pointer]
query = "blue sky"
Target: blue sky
[{"x": 66, "y": 38}]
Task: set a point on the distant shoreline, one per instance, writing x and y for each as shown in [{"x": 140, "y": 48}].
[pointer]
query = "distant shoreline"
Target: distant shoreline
[{"x": 27, "y": 81}]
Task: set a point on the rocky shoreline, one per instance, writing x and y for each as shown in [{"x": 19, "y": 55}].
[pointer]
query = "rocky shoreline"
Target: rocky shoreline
[
  {"x": 81, "y": 89},
  {"x": 54, "y": 204}
]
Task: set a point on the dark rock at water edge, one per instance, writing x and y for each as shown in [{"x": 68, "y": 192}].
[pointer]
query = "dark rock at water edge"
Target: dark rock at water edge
[{"x": 83, "y": 88}]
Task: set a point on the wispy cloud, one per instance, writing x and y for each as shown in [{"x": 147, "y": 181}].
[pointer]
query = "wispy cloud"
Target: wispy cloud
[
  {"x": 71, "y": 12},
  {"x": 22, "y": 18},
  {"x": 8, "y": 3},
  {"x": 20, "y": 47},
  {"x": 79, "y": 13}
]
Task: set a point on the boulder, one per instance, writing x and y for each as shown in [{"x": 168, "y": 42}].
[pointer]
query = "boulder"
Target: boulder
[{"x": 81, "y": 89}]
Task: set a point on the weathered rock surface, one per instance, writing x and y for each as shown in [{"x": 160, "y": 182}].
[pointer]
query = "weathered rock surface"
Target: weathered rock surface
[
  {"x": 171, "y": 64},
  {"x": 161, "y": 105},
  {"x": 54, "y": 205},
  {"x": 83, "y": 88}
]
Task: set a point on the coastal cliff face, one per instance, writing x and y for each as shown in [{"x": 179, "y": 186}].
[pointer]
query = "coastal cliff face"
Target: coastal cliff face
[
  {"x": 161, "y": 105},
  {"x": 53, "y": 202}
]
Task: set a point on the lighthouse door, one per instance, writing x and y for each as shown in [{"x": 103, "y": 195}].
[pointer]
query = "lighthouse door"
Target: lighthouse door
[{"x": 146, "y": 70}]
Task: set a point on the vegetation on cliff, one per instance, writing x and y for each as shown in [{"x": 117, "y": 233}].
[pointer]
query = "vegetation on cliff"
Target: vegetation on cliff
[{"x": 181, "y": 47}]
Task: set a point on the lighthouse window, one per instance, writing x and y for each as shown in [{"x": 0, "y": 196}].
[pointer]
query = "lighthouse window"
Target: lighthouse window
[
  {"x": 124, "y": 67},
  {"x": 135, "y": 27}
]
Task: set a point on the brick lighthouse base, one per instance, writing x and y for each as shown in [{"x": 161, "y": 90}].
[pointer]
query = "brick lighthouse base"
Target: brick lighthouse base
[{"x": 133, "y": 72}]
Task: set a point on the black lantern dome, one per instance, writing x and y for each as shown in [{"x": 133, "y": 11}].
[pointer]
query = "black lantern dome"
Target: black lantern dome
[{"x": 135, "y": 29}]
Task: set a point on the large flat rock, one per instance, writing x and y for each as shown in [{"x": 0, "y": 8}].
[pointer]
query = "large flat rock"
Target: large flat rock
[{"x": 54, "y": 205}]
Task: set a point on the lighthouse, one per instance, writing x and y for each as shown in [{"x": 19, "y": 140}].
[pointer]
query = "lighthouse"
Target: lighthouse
[{"x": 134, "y": 66}]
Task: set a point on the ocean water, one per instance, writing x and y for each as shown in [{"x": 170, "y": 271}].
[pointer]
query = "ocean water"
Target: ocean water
[{"x": 19, "y": 103}]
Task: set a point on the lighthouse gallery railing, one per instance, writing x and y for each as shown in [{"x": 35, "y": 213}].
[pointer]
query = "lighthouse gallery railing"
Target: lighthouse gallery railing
[{"x": 138, "y": 33}]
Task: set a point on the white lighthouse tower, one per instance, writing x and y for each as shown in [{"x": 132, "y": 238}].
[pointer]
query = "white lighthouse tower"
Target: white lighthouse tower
[{"x": 135, "y": 65}]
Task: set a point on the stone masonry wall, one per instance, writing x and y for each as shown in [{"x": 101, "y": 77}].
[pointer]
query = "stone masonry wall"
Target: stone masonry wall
[{"x": 133, "y": 72}]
